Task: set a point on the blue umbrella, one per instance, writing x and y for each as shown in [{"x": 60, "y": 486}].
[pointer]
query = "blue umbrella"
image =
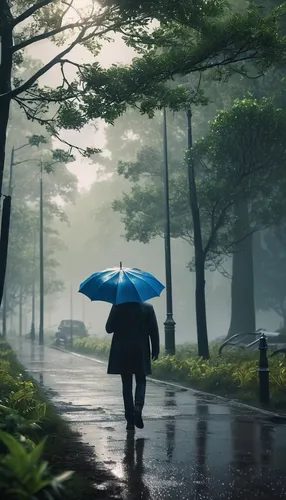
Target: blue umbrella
[{"x": 121, "y": 284}]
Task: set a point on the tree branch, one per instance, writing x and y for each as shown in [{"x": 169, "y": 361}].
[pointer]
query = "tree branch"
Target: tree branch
[
  {"x": 14, "y": 93},
  {"x": 216, "y": 227},
  {"x": 21, "y": 147},
  {"x": 43, "y": 36},
  {"x": 69, "y": 6},
  {"x": 81, "y": 38},
  {"x": 29, "y": 12}
]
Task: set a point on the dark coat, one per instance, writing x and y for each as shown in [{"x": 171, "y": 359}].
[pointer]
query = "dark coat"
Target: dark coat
[{"x": 133, "y": 326}]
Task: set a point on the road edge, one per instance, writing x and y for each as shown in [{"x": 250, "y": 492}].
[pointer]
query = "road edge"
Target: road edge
[{"x": 233, "y": 402}]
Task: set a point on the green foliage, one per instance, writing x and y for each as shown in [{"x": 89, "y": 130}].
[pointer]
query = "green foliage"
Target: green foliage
[
  {"x": 242, "y": 157},
  {"x": 163, "y": 10},
  {"x": 24, "y": 474},
  {"x": 17, "y": 393},
  {"x": 28, "y": 146},
  {"x": 25, "y": 401},
  {"x": 99, "y": 347},
  {"x": 36, "y": 140},
  {"x": 66, "y": 27},
  {"x": 15, "y": 423},
  {"x": 192, "y": 38},
  {"x": 62, "y": 445},
  {"x": 23, "y": 415},
  {"x": 180, "y": 48},
  {"x": 235, "y": 375}
]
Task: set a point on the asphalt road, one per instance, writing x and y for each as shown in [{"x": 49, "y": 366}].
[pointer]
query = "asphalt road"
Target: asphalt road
[{"x": 192, "y": 447}]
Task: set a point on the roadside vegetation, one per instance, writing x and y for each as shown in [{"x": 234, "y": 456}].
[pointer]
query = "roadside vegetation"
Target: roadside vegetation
[
  {"x": 40, "y": 456},
  {"x": 234, "y": 375}
]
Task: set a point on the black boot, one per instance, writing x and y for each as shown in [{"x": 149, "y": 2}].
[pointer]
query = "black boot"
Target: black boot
[
  {"x": 138, "y": 417},
  {"x": 130, "y": 421}
]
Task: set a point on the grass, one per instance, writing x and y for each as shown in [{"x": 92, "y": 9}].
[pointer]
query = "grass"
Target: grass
[
  {"x": 235, "y": 375},
  {"x": 63, "y": 449}
]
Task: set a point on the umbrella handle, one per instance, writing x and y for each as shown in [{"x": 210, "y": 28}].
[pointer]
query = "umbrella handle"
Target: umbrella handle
[{"x": 120, "y": 265}]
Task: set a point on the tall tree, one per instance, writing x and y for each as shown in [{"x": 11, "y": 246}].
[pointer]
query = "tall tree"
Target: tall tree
[
  {"x": 269, "y": 267},
  {"x": 239, "y": 164}
]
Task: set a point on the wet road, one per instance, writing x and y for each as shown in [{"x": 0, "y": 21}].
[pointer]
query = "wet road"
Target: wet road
[{"x": 192, "y": 447}]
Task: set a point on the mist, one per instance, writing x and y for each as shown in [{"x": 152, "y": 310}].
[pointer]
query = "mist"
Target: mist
[{"x": 91, "y": 235}]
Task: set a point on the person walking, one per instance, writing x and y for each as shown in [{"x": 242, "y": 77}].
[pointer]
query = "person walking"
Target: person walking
[{"x": 133, "y": 325}]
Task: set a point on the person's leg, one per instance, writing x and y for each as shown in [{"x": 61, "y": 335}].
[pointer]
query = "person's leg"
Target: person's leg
[
  {"x": 139, "y": 399},
  {"x": 128, "y": 398}
]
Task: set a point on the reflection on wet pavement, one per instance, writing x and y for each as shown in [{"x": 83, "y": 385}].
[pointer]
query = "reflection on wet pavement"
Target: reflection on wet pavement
[
  {"x": 201, "y": 480},
  {"x": 192, "y": 447},
  {"x": 133, "y": 469},
  {"x": 170, "y": 401}
]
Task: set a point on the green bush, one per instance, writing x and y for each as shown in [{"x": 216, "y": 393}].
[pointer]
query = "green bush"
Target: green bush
[
  {"x": 23, "y": 473},
  {"x": 88, "y": 345},
  {"x": 234, "y": 375}
]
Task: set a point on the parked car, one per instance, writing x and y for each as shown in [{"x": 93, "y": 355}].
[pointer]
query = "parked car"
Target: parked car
[{"x": 70, "y": 329}]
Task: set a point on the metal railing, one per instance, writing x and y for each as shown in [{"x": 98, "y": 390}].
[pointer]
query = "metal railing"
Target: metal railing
[
  {"x": 263, "y": 368},
  {"x": 231, "y": 340},
  {"x": 237, "y": 341}
]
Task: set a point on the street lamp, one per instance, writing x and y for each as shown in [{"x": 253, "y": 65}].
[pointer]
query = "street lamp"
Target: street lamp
[
  {"x": 41, "y": 322},
  {"x": 4, "y": 312},
  {"x": 21, "y": 311},
  {"x": 83, "y": 310},
  {"x": 169, "y": 324},
  {"x": 33, "y": 333},
  {"x": 48, "y": 161},
  {"x": 71, "y": 315}
]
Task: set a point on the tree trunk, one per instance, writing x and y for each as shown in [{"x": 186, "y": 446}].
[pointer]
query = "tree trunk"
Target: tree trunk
[
  {"x": 42, "y": 273},
  {"x": 242, "y": 284},
  {"x": 21, "y": 312},
  {"x": 5, "y": 101},
  {"x": 5, "y": 225},
  {"x": 4, "y": 314},
  {"x": 203, "y": 345},
  {"x": 202, "y": 333},
  {"x": 5, "y": 78}
]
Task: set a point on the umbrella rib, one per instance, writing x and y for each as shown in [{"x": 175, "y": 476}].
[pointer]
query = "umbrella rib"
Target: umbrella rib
[
  {"x": 132, "y": 285},
  {"x": 142, "y": 279},
  {"x": 92, "y": 277},
  {"x": 104, "y": 283}
]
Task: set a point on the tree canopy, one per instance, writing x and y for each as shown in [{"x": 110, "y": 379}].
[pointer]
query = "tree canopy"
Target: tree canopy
[
  {"x": 192, "y": 38},
  {"x": 242, "y": 157}
]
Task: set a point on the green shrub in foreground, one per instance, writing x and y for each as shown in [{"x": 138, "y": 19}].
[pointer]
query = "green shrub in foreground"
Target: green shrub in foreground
[
  {"x": 233, "y": 375},
  {"x": 23, "y": 473}
]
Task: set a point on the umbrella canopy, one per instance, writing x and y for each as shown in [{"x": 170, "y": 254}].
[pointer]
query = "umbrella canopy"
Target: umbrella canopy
[{"x": 121, "y": 284}]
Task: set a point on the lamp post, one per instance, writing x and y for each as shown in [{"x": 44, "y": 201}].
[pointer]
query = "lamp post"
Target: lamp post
[
  {"x": 33, "y": 332},
  {"x": 4, "y": 312},
  {"x": 263, "y": 371},
  {"x": 169, "y": 324},
  {"x": 4, "y": 309},
  {"x": 41, "y": 322},
  {"x": 83, "y": 310},
  {"x": 21, "y": 311},
  {"x": 71, "y": 316}
]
